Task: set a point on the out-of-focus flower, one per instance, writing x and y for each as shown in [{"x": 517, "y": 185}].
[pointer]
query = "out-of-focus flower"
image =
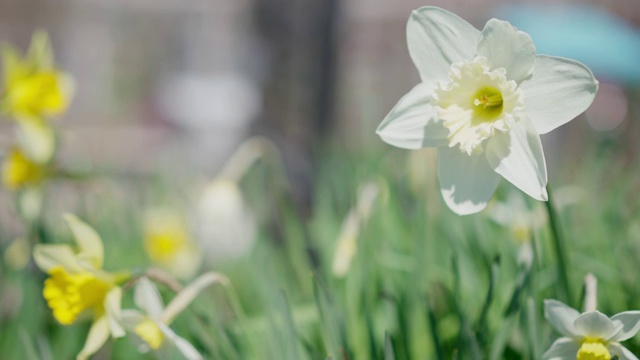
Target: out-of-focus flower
[
  {"x": 151, "y": 327},
  {"x": 77, "y": 284},
  {"x": 168, "y": 243},
  {"x": 484, "y": 99},
  {"x": 18, "y": 171},
  {"x": 517, "y": 217},
  {"x": 226, "y": 227},
  {"x": 18, "y": 254},
  {"x": 347, "y": 243},
  {"x": 590, "y": 335},
  {"x": 33, "y": 86}
]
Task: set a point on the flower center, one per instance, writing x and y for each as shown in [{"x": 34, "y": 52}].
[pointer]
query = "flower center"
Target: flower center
[
  {"x": 593, "y": 349},
  {"x": 476, "y": 102},
  {"x": 148, "y": 331},
  {"x": 68, "y": 295},
  {"x": 165, "y": 239}
]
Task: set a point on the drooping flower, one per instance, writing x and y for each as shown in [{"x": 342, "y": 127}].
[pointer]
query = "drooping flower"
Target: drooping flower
[
  {"x": 169, "y": 244},
  {"x": 33, "y": 87},
  {"x": 78, "y": 285},
  {"x": 590, "y": 335},
  {"x": 484, "y": 99},
  {"x": 151, "y": 327}
]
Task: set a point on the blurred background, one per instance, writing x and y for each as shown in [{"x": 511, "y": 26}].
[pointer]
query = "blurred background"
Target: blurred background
[{"x": 176, "y": 85}]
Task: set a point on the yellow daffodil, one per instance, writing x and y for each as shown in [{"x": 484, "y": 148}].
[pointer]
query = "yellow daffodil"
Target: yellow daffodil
[
  {"x": 484, "y": 99},
  {"x": 33, "y": 86},
  {"x": 19, "y": 171},
  {"x": 78, "y": 285},
  {"x": 151, "y": 328},
  {"x": 168, "y": 243}
]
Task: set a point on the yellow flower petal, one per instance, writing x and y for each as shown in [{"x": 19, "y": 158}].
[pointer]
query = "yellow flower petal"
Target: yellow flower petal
[
  {"x": 148, "y": 331},
  {"x": 89, "y": 242},
  {"x": 19, "y": 171},
  {"x": 98, "y": 335}
]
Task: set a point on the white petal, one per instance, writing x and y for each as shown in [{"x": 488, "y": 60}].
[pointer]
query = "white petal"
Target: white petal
[
  {"x": 561, "y": 317},
  {"x": 517, "y": 156},
  {"x": 467, "y": 182},
  {"x": 49, "y": 256},
  {"x": 595, "y": 324},
  {"x": 438, "y": 38},
  {"x": 413, "y": 123},
  {"x": 88, "y": 241},
  {"x": 98, "y": 335},
  {"x": 506, "y": 47},
  {"x": 622, "y": 352},
  {"x": 148, "y": 298},
  {"x": 183, "y": 345},
  {"x": 562, "y": 349},
  {"x": 112, "y": 304},
  {"x": 630, "y": 321},
  {"x": 131, "y": 318},
  {"x": 186, "y": 296},
  {"x": 558, "y": 91},
  {"x": 36, "y": 138}
]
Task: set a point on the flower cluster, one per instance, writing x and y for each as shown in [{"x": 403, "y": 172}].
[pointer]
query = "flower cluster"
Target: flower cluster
[{"x": 34, "y": 92}]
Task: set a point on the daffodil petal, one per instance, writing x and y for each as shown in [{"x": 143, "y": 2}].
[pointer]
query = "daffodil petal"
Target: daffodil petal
[
  {"x": 88, "y": 240},
  {"x": 559, "y": 90},
  {"x": 50, "y": 256},
  {"x": 187, "y": 350},
  {"x": 413, "y": 123},
  {"x": 467, "y": 182},
  {"x": 36, "y": 138},
  {"x": 148, "y": 298},
  {"x": 506, "y": 47},
  {"x": 517, "y": 156},
  {"x": 630, "y": 321},
  {"x": 561, "y": 317},
  {"x": 186, "y": 296},
  {"x": 562, "y": 349},
  {"x": 595, "y": 324},
  {"x": 112, "y": 304},
  {"x": 438, "y": 38},
  {"x": 131, "y": 318},
  {"x": 622, "y": 352},
  {"x": 98, "y": 335}
]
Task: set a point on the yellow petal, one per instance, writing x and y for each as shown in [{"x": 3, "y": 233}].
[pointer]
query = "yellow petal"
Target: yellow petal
[
  {"x": 98, "y": 335},
  {"x": 50, "y": 256},
  {"x": 40, "y": 53},
  {"x": 88, "y": 240},
  {"x": 112, "y": 306}
]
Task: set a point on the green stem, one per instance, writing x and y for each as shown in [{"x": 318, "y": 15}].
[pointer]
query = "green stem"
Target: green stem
[{"x": 559, "y": 248}]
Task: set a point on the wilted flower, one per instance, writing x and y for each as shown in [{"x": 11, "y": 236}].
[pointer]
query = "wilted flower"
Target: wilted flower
[
  {"x": 590, "y": 335},
  {"x": 151, "y": 327},
  {"x": 168, "y": 242},
  {"x": 77, "y": 284},
  {"x": 484, "y": 99}
]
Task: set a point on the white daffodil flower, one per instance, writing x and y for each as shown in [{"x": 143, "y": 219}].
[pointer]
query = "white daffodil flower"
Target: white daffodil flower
[
  {"x": 590, "y": 335},
  {"x": 484, "y": 98},
  {"x": 151, "y": 327},
  {"x": 77, "y": 285}
]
